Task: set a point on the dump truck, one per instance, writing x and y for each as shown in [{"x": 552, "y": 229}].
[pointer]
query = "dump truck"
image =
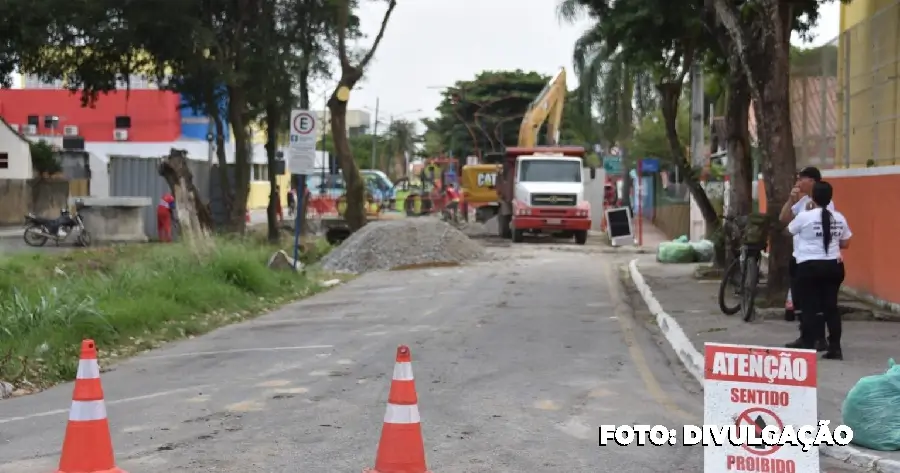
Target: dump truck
[{"x": 541, "y": 190}]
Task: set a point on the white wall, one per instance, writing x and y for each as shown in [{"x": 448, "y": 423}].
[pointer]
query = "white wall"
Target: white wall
[{"x": 19, "y": 154}]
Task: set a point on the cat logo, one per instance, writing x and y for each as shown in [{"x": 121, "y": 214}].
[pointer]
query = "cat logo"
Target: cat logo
[{"x": 487, "y": 179}]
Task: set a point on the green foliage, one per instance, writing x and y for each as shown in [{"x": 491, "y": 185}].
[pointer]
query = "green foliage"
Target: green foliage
[
  {"x": 43, "y": 158},
  {"x": 129, "y": 298},
  {"x": 650, "y": 139},
  {"x": 488, "y": 111},
  {"x": 814, "y": 62},
  {"x": 360, "y": 146}
]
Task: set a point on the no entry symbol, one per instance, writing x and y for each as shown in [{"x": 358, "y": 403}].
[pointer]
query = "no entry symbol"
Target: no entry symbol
[
  {"x": 304, "y": 123},
  {"x": 760, "y": 418}
]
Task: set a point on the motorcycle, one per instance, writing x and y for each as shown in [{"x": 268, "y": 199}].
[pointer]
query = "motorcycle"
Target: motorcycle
[{"x": 39, "y": 230}]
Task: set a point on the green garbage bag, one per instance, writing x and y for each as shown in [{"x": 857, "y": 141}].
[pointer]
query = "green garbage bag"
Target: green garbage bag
[
  {"x": 675, "y": 252},
  {"x": 871, "y": 410}
]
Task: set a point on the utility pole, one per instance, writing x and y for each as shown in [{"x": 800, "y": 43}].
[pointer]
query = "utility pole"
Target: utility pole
[
  {"x": 332, "y": 166},
  {"x": 375, "y": 133},
  {"x": 390, "y": 155},
  {"x": 697, "y": 125}
]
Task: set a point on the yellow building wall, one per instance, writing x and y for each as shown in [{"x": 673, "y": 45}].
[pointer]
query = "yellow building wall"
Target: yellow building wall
[{"x": 869, "y": 83}]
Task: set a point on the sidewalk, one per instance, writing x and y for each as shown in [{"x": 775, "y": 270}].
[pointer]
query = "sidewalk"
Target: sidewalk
[
  {"x": 10, "y": 232},
  {"x": 693, "y": 304}
]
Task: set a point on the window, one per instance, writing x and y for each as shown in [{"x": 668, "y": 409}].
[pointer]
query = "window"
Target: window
[
  {"x": 4, "y": 161},
  {"x": 550, "y": 170},
  {"x": 260, "y": 172}
]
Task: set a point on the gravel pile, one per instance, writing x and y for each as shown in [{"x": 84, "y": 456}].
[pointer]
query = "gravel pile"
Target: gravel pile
[
  {"x": 475, "y": 229},
  {"x": 402, "y": 243}
]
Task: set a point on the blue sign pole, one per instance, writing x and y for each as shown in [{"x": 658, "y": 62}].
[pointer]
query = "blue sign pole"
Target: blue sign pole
[{"x": 301, "y": 197}]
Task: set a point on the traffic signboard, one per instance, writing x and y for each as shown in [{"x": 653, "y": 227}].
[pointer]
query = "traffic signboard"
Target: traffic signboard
[
  {"x": 759, "y": 386},
  {"x": 303, "y": 136},
  {"x": 649, "y": 165},
  {"x": 613, "y": 165}
]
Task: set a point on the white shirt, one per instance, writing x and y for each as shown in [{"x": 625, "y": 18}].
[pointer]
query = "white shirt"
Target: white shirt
[
  {"x": 807, "y": 230},
  {"x": 801, "y": 207}
]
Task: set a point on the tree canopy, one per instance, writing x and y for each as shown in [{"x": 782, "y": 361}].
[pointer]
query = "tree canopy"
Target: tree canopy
[
  {"x": 239, "y": 61},
  {"x": 484, "y": 114}
]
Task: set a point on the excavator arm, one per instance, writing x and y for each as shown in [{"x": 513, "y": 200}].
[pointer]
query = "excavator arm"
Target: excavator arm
[{"x": 548, "y": 105}]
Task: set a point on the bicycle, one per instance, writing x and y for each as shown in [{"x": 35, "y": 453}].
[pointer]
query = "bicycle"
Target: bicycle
[{"x": 742, "y": 273}]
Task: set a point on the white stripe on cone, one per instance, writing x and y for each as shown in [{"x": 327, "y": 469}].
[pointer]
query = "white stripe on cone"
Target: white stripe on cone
[
  {"x": 403, "y": 371},
  {"x": 88, "y": 369},
  {"x": 399, "y": 414},
  {"x": 87, "y": 410}
]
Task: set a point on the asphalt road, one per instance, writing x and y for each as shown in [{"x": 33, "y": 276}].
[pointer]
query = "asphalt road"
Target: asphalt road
[{"x": 517, "y": 362}]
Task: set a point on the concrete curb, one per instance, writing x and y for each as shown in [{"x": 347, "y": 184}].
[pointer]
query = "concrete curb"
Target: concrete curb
[{"x": 693, "y": 362}]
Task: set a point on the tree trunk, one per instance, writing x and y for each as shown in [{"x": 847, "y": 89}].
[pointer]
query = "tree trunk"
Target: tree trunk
[
  {"x": 739, "y": 156},
  {"x": 762, "y": 43},
  {"x": 236, "y": 111},
  {"x": 193, "y": 216},
  {"x": 273, "y": 117},
  {"x": 355, "y": 214},
  {"x": 399, "y": 167},
  {"x": 669, "y": 94}
]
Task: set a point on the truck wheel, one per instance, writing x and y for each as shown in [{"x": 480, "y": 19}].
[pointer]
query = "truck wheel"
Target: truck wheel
[
  {"x": 504, "y": 222},
  {"x": 581, "y": 237},
  {"x": 518, "y": 236}
]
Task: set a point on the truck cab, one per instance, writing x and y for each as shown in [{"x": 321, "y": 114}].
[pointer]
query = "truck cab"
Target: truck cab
[{"x": 542, "y": 191}]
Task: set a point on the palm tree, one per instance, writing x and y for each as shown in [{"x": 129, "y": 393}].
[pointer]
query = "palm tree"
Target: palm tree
[
  {"x": 401, "y": 142},
  {"x": 620, "y": 94}
]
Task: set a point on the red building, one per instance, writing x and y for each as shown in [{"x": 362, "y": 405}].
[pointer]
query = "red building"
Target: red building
[{"x": 154, "y": 115}]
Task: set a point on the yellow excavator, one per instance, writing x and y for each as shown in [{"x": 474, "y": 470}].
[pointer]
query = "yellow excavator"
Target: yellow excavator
[{"x": 479, "y": 180}]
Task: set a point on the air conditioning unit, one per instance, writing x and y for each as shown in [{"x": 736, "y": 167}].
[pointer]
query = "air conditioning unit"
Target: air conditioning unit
[
  {"x": 30, "y": 130},
  {"x": 120, "y": 135},
  {"x": 14, "y": 127},
  {"x": 70, "y": 130}
]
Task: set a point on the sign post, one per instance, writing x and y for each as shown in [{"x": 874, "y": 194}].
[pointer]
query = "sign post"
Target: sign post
[
  {"x": 301, "y": 162},
  {"x": 759, "y": 387}
]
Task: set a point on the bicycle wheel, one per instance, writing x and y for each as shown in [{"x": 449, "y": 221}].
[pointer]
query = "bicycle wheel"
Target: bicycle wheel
[
  {"x": 730, "y": 286},
  {"x": 748, "y": 292}
]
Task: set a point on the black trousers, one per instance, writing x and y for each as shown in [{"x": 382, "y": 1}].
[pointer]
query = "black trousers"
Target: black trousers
[
  {"x": 792, "y": 273},
  {"x": 818, "y": 284}
]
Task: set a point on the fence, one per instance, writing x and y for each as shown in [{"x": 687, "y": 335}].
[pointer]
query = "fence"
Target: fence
[
  {"x": 869, "y": 85},
  {"x": 131, "y": 176},
  {"x": 815, "y": 105}
]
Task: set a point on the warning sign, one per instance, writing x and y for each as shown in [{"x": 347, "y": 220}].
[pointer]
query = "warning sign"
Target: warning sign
[
  {"x": 759, "y": 387},
  {"x": 760, "y": 418}
]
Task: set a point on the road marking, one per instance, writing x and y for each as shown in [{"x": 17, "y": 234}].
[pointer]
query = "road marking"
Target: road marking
[
  {"x": 245, "y": 406},
  {"x": 114, "y": 402},
  {"x": 546, "y": 405},
  {"x": 275, "y": 383},
  {"x": 634, "y": 348},
  {"x": 235, "y": 350}
]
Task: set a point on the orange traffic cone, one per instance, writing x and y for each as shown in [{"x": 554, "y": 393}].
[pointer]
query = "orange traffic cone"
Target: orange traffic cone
[
  {"x": 87, "y": 447},
  {"x": 401, "y": 449}
]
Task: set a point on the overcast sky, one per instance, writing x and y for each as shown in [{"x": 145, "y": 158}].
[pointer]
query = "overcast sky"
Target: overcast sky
[{"x": 431, "y": 44}]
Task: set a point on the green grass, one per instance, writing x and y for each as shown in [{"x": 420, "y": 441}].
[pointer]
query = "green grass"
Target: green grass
[{"x": 130, "y": 299}]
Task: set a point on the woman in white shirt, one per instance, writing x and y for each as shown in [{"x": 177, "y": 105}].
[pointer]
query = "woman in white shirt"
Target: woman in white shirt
[{"x": 820, "y": 234}]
